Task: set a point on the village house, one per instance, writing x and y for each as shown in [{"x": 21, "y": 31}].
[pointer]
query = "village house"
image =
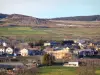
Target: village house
[
  {"x": 82, "y": 41},
  {"x": 85, "y": 52},
  {"x": 9, "y": 50},
  {"x": 16, "y": 51},
  {"x": 34, "y": 52},
  {"x": 97, "y": 48},
  {"x": 47, "y": 44},
  {"x": 52, "y": 44},
  {"x": 71, "y": 64},
  {"x": 2, "y": 50},
  {"x": 58, "y": 54},
  {"x": 24, "y": 52},
  {"x": 4, "y": 44},
  {"x": 67, "y": 42}
]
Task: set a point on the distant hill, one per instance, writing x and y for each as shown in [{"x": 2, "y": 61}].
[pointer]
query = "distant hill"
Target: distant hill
[
  {"x": 3, "y": 16},
  {"x": 80, "y": 18},
  {"x": 23, "y": 20}
]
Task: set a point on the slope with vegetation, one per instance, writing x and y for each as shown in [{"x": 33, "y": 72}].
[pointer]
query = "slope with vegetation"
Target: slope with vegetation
[{"x": 23, "y": 20}]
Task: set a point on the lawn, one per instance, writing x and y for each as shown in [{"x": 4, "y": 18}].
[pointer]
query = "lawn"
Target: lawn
[{"x": 57, "y": 70}]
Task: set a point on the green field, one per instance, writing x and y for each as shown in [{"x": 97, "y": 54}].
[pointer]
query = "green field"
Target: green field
[
  {"x": 98, "y": 72},
  {"x": 50, "y": 33},
  {"x": 60, "y": 70},
  {"x": 57, "y": 70},
  {"x": 19, "y": 31}
]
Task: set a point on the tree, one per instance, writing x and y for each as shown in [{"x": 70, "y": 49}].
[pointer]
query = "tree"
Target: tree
[
  {"x": 48, "y": 59},
  {"x": 42, "y": 48},
  {"x": 41, "y": 42}
]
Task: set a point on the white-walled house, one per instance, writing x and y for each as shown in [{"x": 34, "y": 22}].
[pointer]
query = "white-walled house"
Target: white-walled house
[
  {"x": 24, "y": 52},
  {"x": 4, "y": 44},
  {"x": 2, "y": 50},
  {"x": 71, "y": 64},
  {"x": 47, "y": 44},
  {"x": 9, "y": 50}
]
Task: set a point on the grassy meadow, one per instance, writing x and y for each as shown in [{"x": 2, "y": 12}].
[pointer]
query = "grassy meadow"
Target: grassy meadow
[
  {"x": 50, "y": 33},
  {"x": 19, "y": 31},
  {"x": 57, "y": 70},
  {"x": 60, "y": 70},
  {"x": 98, "y": 72}
]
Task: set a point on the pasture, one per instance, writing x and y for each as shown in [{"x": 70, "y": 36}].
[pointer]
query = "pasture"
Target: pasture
[
  {"x": 57, "y": 70},
  {"x": 60, "y": 70},
  {"x": 97, "y": 72},
  {"x": 50, "y": 33},
  {"x": 19, "y": 31}
]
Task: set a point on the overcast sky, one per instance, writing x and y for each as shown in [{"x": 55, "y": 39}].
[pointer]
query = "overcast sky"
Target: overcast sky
[{"x": 50, "y": 8}]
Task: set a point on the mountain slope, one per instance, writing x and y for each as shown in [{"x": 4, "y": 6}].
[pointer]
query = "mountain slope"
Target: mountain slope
[
  {"x": 3, "y": 16},
  {"x": 22, "y": 20},
  {"x": 80, "y": 18}
]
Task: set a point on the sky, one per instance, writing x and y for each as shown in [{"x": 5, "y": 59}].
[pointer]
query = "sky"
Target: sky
[{"x": 50, "y": 8}]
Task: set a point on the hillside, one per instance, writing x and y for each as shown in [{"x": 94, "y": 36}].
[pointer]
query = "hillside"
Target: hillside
[
  {"x": 23, "y": 20},
  {"x": 80, "y": 18},
  {"x": 3, "y": 16}
]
